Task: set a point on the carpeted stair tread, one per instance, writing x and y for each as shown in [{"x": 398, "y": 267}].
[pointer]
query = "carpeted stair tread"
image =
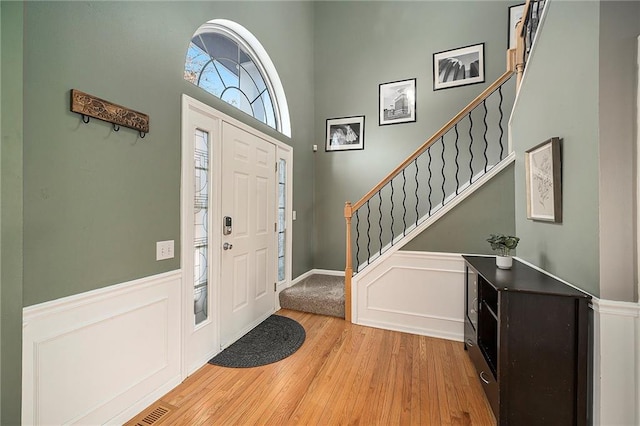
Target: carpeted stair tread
[{"x": 317, "y": 294}]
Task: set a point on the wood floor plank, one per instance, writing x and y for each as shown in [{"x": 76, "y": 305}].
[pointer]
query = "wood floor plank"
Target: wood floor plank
[
  {"x": 342, "y": 374},
  {"x": 351, "y": 396},
  {"x": 293, "y": 383},
  {"x": 416, "y": 410},
  {"x": 339, "y": 404}
]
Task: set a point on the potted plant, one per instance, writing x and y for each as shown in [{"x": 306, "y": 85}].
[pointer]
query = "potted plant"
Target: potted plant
[{"x": 503, "y": 244}]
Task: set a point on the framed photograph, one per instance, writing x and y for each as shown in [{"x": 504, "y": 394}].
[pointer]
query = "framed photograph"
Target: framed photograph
[
  {"x": 544, "y": 181},
  {"x": 458, "y": 67},
  {"x": 397, "y": 102},
  {"x": 345, "y": 133},
  {"x": 515, "y": 13}
]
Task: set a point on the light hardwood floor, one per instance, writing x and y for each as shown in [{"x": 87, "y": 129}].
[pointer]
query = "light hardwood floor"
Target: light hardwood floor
[{"x": 342, "y": 374}]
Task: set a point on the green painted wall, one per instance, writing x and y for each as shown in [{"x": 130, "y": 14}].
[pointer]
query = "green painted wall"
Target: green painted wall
[
  {"x": 489, "y": 210},
  {"x": 619, "y": 31},
  {"x": 11, "y": 193},
  {"x": 96, "y": 201},
  {"x": 556, "y": 102},
  {"x": 1, "y": 211},
  {"x": 362, "y": 44},
  {"x": 593, "y": 111}
]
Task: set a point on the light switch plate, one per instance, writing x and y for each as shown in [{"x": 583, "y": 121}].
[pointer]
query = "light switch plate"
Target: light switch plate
[{"x": 164, "y": 250}]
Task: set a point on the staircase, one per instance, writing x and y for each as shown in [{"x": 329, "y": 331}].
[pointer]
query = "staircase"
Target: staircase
[
  {"x": 441, "y": 172},
  {"x": 450, "y": 164},
  {"x": 464, "y": 154}
]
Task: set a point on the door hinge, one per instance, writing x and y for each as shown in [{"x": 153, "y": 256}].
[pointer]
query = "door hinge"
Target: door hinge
[
  {"x": 275, "y": 285},
  {"x": 275, "y": 227},
  {"x": 276, "y": 166}
]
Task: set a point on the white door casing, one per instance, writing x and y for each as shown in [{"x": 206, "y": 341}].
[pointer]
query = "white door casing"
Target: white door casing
[
  {"x": 283, "y": 157},
  {"x": 248, "y": 262},
  {"x": 203, "y": 341},
  {"x": 200, "y": 341}
]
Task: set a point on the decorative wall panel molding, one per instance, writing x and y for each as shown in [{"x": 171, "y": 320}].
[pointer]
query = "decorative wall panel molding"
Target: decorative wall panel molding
[
  {"x": 101, "y": 355},
  {"x": 414, "y": 292}
]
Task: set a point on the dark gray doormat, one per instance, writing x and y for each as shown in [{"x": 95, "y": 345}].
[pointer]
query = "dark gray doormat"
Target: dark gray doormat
[{"x": 273, "y": 339}]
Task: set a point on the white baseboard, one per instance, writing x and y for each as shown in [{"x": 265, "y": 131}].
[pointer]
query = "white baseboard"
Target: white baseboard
[
  {"x": 416, "y": 292},
  {"x": 140, "y": 405},
  {"x": 317, "y": 272},
  {"x": 101, "y": 356},
  {"x": 437, "y": 332}
]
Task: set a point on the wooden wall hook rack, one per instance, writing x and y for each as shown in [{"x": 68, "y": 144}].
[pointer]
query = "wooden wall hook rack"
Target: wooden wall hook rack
[{"x": 92, "y": 106}]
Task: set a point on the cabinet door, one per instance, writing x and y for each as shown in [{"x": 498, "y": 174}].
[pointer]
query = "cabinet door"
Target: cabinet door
[
  {"x": 471, "y": 300},
  {"x": 540, "y": 383}
]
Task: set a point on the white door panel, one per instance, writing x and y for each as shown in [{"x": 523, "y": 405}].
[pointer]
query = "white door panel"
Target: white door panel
[{"x": 248, "y": 267}]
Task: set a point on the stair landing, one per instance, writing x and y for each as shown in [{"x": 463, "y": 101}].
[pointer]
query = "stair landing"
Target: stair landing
[{"x": 317, "y": 294}]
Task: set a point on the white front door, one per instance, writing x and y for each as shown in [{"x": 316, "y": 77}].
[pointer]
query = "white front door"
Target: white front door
[
  {"x": 201, "y": 142},
  {"x": 248, "y": 269}
]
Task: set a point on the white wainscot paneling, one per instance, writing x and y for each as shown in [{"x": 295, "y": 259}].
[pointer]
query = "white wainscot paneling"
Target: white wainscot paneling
[
  {"x": 616, "y": 363},
  {"x": 102, "y": 356},
  {"x": 414, "y": 292}
]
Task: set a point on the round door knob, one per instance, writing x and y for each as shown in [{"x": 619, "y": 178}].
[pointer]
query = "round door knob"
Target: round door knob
[{"x": 227, "y": 246}]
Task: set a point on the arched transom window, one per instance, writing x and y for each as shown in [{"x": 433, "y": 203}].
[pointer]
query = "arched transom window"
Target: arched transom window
[{"x": 226, "y": 60}]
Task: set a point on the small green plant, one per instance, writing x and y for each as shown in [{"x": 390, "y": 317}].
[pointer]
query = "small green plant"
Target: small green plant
[{"x": 503, "y": 244}]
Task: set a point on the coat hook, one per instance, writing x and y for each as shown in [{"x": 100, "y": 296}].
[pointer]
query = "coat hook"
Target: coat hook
[
  {"x": 85, "y": 119},
  {"x": 142, "y": 135},
  {"x": 116, "y": 128}
]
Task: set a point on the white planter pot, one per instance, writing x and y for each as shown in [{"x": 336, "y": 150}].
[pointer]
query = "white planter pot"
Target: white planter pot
[{"x": 504, "y": 262}]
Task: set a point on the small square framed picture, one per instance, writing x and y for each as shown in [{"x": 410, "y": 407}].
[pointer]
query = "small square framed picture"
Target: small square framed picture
[
  {"x": 346, "y": 133},
  {"x": 397, "y": 102},
  {"x": 458, "y": 67}
]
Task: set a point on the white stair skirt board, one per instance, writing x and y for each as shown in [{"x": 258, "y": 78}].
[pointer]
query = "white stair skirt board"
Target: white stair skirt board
[
  {"x": 102, "y": 356},
  {"x": 413, "y": 292}
]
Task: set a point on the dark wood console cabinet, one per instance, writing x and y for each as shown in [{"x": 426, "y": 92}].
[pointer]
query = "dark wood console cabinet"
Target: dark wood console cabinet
[{"x": 527, "y": 335}]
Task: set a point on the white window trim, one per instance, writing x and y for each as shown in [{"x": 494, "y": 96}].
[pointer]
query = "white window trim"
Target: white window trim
[{"x": 249, "y": 42}]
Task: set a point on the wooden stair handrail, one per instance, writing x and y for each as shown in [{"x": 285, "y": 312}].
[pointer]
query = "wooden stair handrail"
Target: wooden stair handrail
[
  {"x": 523, "y": 21},
  {"x": 515, "y": 64},
  {"x": 520, "y": 43},
  {"x": 444, "y": 129}
]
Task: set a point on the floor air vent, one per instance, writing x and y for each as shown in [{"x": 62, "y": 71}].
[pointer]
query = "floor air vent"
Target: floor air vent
[{"x": 153, "y": 416}]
